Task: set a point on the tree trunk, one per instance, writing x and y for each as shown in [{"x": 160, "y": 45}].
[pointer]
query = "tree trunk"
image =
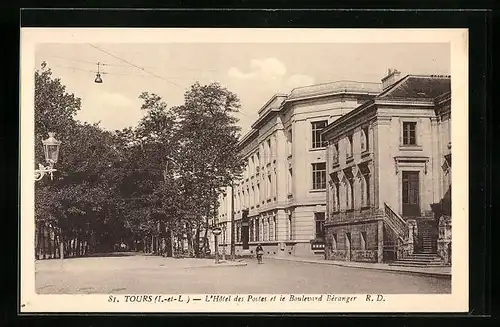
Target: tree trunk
[
  {"x": 38, "y": 245},
  {"x": 197, "y": 242},
  {"x": 49, "y": 244},
  {"x": 172, "y": 241},
  {"x": 78, "y": 248},
  {"x": 189, "y": 234}
]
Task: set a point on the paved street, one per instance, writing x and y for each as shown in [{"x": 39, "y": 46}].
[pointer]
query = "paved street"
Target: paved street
[{"x": 148, "y": 274}]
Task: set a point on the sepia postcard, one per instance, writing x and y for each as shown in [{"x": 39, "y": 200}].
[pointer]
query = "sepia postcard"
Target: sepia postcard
[{"x": 244, "y": 170}]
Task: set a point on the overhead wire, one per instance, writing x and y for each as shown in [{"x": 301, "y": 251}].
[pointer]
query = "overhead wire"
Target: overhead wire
[
  {"x": 136, "y": 66},
  {"x": 127, "y": 66},
  {"x": 125, "y": 74}
]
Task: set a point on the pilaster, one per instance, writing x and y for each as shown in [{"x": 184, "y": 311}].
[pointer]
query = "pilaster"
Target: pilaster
[{"x": 380, "y": 241}]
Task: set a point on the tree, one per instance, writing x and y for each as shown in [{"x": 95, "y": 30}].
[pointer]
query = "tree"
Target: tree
[
  {"x": 164, "y": 174},
  {"x": 54, "y": 109},
  {"x": 78, "y": 197},
  {"x": 208, "y": 138}
]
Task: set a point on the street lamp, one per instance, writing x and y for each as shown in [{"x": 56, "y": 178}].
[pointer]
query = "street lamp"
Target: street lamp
[
  {"x": 51, "y": 151},
  {"x": 224, "y": 228}
]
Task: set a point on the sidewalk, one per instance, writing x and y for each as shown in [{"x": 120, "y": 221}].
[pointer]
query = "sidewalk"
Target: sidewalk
[{"x": 440, "y": 272}]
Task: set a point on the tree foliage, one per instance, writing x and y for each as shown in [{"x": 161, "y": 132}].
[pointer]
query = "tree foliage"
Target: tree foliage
[{"x": 166, "y": 171}]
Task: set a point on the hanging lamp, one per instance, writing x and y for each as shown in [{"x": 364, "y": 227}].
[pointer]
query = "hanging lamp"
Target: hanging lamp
[{"x": 98, "y": 78}]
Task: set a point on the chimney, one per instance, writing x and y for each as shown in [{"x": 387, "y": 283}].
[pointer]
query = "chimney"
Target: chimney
[{"x": 391, "y": 78}]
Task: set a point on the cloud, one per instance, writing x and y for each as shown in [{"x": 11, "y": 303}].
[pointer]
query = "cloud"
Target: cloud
[
  {"x": 112, "y": 110},
  {"x": 266, "y": 69}
]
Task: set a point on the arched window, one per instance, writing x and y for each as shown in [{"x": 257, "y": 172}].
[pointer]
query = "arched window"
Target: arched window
[
  {"x": 347, "y": 194},
  {"x": 362, "y": 192}
]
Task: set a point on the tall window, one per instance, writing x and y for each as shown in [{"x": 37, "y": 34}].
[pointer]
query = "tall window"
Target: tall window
[
  {"x": 349, "y": 146},
  {"x": 362, "y": 190},
  {"x": 269, "y": 224},
  {"x": 362, "y": 240},
  {"x": 252, "y": 196},
  {"x": 269, "y": 150},
  {"x": 257, "y": 229},
  {"x": 351, "y": 188},
  {"x": 251, "y": 224},
  {"x": 290, "y": 227},
  {"x": 264, "y": 229},
  {"x": 336, "y": 152},
  {"x": 364, "y": 139},
  {"x": 257, "y": 195},
  {"x": 337, "y": 196},
  {"x": 319, "y": 219},
  {"x": 411, "y": 193},
  {"x": 275, "y": 184},
  {"x": 269, "y": 184},
  {"x": 347, "y": 194},
  {"x": 290, "y": 142},
  {"x": 275, "y": 225},
  {"x": 367, "y": 189},
  {"x": 409, "y": 133},
  {"x": 289, "y": 184},
  {"x": 319, "y": 176},
  {"x": 317, "y": 140}
]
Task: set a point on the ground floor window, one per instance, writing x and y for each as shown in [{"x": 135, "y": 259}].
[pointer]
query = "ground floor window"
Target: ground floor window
[
  {"x": 251, "y": 227},
  {"x": 363, "y": 240},
  {"x": 257, "y": 230}
]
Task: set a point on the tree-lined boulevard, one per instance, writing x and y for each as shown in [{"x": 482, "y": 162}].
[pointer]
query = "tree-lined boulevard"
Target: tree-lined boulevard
[{"x": 144, "y": 186}]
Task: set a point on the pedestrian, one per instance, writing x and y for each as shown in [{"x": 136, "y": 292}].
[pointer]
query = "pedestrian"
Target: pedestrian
[{"x": 259, "y": 250}]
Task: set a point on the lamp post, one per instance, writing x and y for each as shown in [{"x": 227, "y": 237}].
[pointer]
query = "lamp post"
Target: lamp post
[
  {"x": 216, "y": 231},
  {"x": 224, "y": 228},
  {"x": 51, "y": 152}
]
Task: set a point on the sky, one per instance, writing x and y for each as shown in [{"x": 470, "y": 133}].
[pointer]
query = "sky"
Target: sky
[{"x": 255, "y": 72}]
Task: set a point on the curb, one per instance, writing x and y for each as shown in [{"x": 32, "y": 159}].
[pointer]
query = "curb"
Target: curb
[{"x": 409, "y": 272}]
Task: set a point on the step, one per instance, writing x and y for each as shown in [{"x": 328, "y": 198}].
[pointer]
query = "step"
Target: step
[
  {"x": 424, "y": 256},
  {"x": 424, "y": 262},
  {"x": 407, "y": 264},
  {"x": 419, "y": 261}
]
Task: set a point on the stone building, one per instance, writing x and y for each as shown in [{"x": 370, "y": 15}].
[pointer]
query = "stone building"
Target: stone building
[
  {"x": 389, "y": 181},
  {"x": 283, "y": 188}
]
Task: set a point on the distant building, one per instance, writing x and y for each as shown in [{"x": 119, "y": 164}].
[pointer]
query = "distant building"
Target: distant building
[
  {"x": 388, "y": 164},
  {"x": 283, "y": 189}
]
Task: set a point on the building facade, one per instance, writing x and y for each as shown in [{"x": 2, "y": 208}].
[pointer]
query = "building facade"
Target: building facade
[
  {"x": 389, "y": 173},
  {"x": 280, "y": 201}
]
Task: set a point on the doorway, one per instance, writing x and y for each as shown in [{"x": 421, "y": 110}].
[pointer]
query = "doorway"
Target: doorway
[{"x": 411, "y": 194}]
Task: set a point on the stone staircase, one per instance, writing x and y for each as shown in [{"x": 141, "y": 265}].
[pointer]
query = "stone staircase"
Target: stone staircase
[
  {"x": 420, "y": 260},
  {"x": 426, "y": 241},
  {"x": 424, "y": 244}
]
